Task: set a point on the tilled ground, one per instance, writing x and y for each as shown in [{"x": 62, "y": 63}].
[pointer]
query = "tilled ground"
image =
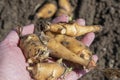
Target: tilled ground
[{"x": 102, "y": 12}]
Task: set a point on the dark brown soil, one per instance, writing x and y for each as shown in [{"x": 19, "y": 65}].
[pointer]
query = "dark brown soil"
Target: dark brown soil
[{"x": 102, "y": 12}]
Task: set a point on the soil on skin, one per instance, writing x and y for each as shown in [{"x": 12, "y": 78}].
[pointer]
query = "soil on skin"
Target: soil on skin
[{"x": 102, "y": 12}]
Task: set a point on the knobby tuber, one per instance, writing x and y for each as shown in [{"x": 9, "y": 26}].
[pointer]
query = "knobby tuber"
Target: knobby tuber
[
  {"x": 72, "y": 29},
  {"x": 47, "y": 71},
  {"x": 65, "y": 8},
  {"x": 78, "y": 47},
  {"x": 32, "y": 47},
  {"x": 47, "y": 11},
  {"x": 62, "y": 52}
]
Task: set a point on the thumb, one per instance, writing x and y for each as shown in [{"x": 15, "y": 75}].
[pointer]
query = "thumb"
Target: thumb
[{"x": 13, "y": 38}]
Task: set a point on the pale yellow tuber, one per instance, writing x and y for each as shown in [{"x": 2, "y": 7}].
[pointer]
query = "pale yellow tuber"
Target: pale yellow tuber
[
  {"x": 65, "y": 8},
  {"x": 47, "y": 71},
  {"x": 75, "y": 46},
  {"x": 62, "y": 52},
  {"x": 47, "y": 11},
  {"x": 72, "y": 29},
  {"x": 32, "y": 47}
]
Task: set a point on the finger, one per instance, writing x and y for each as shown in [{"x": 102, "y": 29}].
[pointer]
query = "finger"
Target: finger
[
  {"x": 81, "y": 22},
  {"x": 88, "y": 38},
  {"x": 28, "y": 29},
  {"x": 13, "y": 38},
  {"x": 63, "y": 18}
]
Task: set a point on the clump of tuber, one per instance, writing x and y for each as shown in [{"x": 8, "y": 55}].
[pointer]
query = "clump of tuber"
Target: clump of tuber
[
  {"x": 36, "y": 53},
  {"x": 61, "y": 43},
  {"x": 49, "y": 9}
]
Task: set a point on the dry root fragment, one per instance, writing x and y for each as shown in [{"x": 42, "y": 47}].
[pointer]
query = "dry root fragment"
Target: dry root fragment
[
  {"x": 73, "y": 29},
  {"x": 47, "y": 11},
  {"x": 47, "y": 71},
  {"x": 32, "y": 47},
  {"x": 65, "y": 8},
  {"x": 62, "y": 52}
]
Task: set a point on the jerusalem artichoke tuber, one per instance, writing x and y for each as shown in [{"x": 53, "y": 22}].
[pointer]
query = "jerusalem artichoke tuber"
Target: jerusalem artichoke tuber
[
  {"x": 32, "y": 47},
  {"x": 47, "y": 11},
  {"x": 65, "y": 8},
  {"x": 75, "y": 46},
  {"x": 47, "y": 71},
  {"x": 62, "y": 52},
  {"x": 73, "y": 29}
]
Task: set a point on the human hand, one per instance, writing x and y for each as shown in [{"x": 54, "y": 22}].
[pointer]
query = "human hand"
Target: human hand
[{"x": 12, "y": 61}]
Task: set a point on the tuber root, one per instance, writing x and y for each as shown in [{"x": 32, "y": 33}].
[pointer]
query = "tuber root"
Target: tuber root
[
  {"x": 32, "y": 47},
  {"x": 47, "y": 11},
  {"x": 78, "y": 47},
  {"x": 62, "y": 52},
  {"x": 72, "y": 29},
  {"x": 47, "y": 71},
  {"x": 65, "y": 8}
]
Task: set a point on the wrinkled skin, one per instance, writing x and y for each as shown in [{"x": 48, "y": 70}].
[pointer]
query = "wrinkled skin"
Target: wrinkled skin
[{"x": 12, "y": 61}]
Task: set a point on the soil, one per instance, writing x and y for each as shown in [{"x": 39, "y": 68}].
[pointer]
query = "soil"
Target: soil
[{"x": 100, "y": 12}]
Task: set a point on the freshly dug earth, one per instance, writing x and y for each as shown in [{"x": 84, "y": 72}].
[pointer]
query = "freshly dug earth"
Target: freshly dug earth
[{"x": 102, "y": 12}]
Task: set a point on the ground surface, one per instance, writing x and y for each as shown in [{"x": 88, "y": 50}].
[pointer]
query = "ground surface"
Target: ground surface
[{"x": 103, "y": 12}]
